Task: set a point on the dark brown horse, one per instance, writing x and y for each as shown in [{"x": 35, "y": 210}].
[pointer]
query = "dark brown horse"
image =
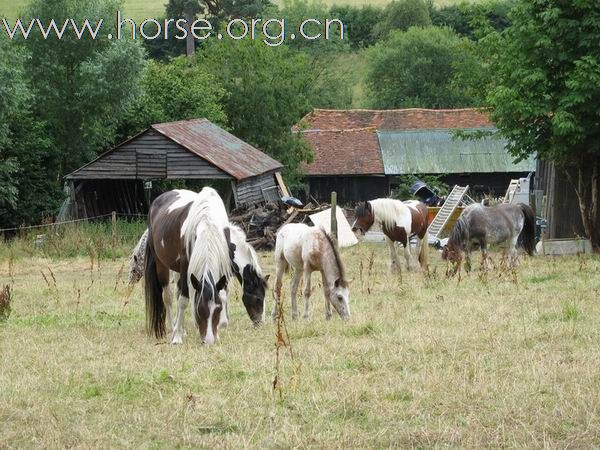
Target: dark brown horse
[
  {"x": 399, "y": 222},
  {"x": 188, "y": 234},
  {"x": 479, "y": 227}
]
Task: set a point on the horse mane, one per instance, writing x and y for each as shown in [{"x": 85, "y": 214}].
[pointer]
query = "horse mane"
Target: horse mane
[
  {"x": 385, "y": 211},
  {"x": 238, "y": 235},
  {"x": 336, "y": 255},
  {"x": 207, "y": 216},
  {"x": 460, "y": 232}
]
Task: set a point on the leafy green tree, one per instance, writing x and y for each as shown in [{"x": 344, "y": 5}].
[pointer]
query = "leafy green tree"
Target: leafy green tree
[
  {"x": 400, "y": 15},
  {"x": 81, "y": 86},
  {"x": 542, "y": 84},
  {"x": 28, "y": 168},
  {"x": 328, "y": 86},
  {"x": 360, "y": 23},
  {"x": 468, "y": 18},
  {"x": 420, "y": 68},
  {"x": 179, "y": 90},
  {"x": 268, "y": 92}
]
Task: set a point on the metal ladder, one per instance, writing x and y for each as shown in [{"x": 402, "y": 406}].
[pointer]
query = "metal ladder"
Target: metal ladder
[
  {"x": 510, "y": 192},
  {"x": 456, "y": 197}
]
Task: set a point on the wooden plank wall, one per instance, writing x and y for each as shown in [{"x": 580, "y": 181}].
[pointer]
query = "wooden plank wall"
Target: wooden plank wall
[
  {"x": 561, "y": 208},
  {"x": 145, "y": 157},
  {"x": 249, "y": 191}
]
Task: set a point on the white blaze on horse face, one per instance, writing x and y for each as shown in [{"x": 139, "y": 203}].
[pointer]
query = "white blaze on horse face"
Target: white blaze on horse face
[
  {"x": 210, "y": 337},
  {"x": 223, "y": 319}
]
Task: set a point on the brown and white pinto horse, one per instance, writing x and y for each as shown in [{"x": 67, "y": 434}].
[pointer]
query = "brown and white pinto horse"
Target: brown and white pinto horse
[
  {"x": 188, "y": 233},
  {"x": 399, "y": 222}
]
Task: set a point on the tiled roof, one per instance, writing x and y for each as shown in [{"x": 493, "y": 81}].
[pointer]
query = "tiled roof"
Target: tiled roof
[{"x": 345, "y": 142}]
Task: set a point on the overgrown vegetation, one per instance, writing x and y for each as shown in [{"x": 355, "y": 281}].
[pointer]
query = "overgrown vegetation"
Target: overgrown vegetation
[{"x": 423, "y": 362}]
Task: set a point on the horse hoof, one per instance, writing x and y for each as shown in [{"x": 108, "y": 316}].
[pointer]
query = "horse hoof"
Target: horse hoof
[{"x": 177, "y": 340}]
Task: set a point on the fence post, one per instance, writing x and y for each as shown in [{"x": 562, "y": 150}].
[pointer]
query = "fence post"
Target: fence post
[
  {"x": 114, "y": 235},
  {"x": 334, "y": 227}
]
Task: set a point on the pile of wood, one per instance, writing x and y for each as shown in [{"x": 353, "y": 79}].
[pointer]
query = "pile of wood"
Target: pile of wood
[{"x": 262, "y": 223}]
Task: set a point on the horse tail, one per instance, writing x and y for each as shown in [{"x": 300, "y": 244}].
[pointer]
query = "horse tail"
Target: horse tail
[
  {"x": 156, "y": 312},
  {"x": 527, "y": 235}
]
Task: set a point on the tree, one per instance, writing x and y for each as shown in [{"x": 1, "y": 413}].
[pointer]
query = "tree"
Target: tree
[
  {"x": 28, "y": 168},
  {"x": 268, "y": 91},
  {"x": 420, "y": 68},
  {"x": 467, "y": 18},
  {"x": 542, "y": 84},
  {"x": 81, "y": 86},
  {"x": 360, "y": 23},
  {"x": 179, "y": 90},
  {"x": 400, "y": 15}
]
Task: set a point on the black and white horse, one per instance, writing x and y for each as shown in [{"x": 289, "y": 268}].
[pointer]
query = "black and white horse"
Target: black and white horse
[
  {"x": 188, "y": 233},
  {"x": 244, "y": 265},
  {"x": 480, "y": 226}
]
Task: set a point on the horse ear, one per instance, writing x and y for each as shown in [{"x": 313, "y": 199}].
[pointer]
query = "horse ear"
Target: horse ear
[
  {"x": 195, "y": 282},
  {"x": 135, "y": 259},
  {"x": 267, "y": 278},
  {"x": 367, "y": 206},
  {"x": 221, "y": 284}
]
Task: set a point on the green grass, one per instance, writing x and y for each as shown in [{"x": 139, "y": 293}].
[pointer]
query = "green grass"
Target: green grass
[
  {"x": 142, "y": 9},
  {"x": 424, "y": 362}
]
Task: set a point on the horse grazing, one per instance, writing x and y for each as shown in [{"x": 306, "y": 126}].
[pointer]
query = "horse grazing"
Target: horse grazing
[
  {"x": 308, "y": 249},
  {"x": 481, "y": 226},
  {"x": 399, "y": 221},
  {"x": 247, "y": 270},
  {"x": 137, "y": 260},
  {"x": 244, "y": 265},
  {"x": 188, "y": 233}
]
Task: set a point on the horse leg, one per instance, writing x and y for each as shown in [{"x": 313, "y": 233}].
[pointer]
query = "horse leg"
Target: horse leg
[
  {"x": 182, "y": 302},
  {"x": 468, "y": 264},
  {"x": 281, "y": 267},
  {"x": 512, "y": 254},
  {"x": 295, "y": 283},
  {"x": 486, "y": 257},
  {"x": 394, "y": 263},
  {"x": 407, "y": 255},
  {"x": 306, "y": 277}
]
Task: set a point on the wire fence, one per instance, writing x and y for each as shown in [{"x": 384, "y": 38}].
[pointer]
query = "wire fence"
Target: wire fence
[{"x": 66, "y": 222}]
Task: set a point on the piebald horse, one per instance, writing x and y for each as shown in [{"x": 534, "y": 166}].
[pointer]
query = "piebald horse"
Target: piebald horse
[
  {"x": 188, "y": 233},
  {"x": 244, "y": 265},
  {"x": 479, "y": 226},
  {"x": 399, "y": 221},
  {"x": 308, "y": 249}
]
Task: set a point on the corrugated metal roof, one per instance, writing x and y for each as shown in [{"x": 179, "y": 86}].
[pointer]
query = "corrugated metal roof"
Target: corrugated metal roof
[
  {"x": 438, "y": 151},
  {"x": 230, "y": 154}
]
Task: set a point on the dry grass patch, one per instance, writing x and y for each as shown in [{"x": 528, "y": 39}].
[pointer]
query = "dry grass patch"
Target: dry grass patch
[{"x": 424, "y": 362}]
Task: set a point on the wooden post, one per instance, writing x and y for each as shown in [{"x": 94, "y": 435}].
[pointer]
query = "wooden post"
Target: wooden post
[
  {"x": 334, "y": 227},
  {"x": 114, "y": 235}
]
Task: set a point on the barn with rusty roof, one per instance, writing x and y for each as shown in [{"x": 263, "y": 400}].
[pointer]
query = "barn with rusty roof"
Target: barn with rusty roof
[
  {"x": 361, "y": 153},
  {"x": 197, "y": 151}
]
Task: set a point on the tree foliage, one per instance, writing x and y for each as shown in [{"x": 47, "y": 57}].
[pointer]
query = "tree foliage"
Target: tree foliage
[
  {"x": 542, "y": 84},
  {"x": 400, "y": 15},
  {"x": 178, "y": 90},
  {"x": 81, "y": 86},
  {"x": 420, "y": 68},
  {"x": 268, "y": 90}
]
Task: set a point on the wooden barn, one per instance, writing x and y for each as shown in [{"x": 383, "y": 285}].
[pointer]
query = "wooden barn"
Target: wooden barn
[
  {"x": 193, "y": 150},
  {"x": 362, "y": 153}
]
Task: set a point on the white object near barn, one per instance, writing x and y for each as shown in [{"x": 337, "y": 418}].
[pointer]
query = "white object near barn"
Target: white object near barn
[
  {"x": 346, "y": 237},
  {"x": 560, "y": 247}
]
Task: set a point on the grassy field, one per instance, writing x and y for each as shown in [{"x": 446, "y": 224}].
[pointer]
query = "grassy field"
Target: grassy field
[
  {"x": 142, "y": 9},
  {"x": 494, "y": 360}
]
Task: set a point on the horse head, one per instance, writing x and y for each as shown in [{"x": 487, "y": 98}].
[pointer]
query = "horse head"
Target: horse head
[
  {"x": 363, "y": 217},
  {"x": 253, "y": 296},
  {"x": 210, "y": 301}
]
